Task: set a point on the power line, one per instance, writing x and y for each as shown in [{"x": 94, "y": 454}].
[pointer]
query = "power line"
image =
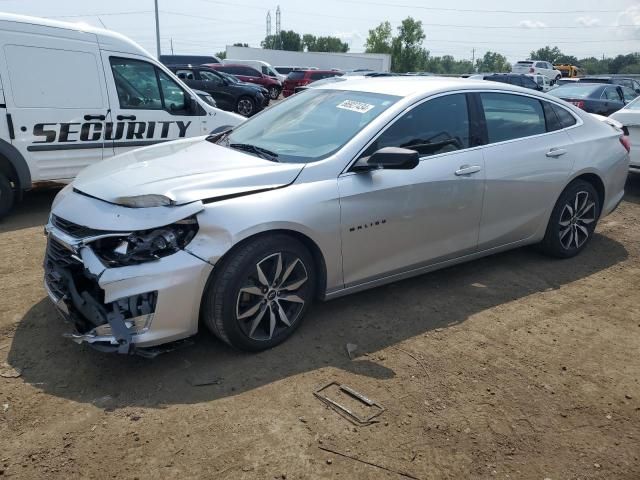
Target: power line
[{"x": 101, "y": 14}]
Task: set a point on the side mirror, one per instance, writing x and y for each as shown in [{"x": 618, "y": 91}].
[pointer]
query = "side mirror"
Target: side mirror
[
  {"x": 391, "y": 158},
  {"x": 637, "y": 90},
  {"x": 193, "y": 105}
]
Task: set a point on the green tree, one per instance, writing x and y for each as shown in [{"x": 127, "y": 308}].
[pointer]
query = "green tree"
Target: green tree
[
  {"x": 633, "y": 68},
  {"x": 287, "y": 40},
  {"x": 241, "y": 44},
  {"x": 407, "y": 51},
  {"x": 594, "y": 66},
  {"x": 323, "y": 44},
  {"x": 221, "y": 55},
  {"x": 309, "y": 42},
  {"x": 546, "y": 54},
  {"x": 380, "y": 39},
  {"x": 493, "y": 62}
]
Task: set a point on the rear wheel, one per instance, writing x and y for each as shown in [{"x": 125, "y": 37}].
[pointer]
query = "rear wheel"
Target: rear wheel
[
  {"x": 572, "y": 221},
  {"x": 7, "y": 195},
  {"x": 259, "y": 295},
  {"x": 245, "y": 106}
]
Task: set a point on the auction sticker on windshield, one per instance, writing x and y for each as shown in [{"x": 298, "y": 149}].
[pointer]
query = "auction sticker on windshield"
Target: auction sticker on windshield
[{"x": 354, "y": 106}]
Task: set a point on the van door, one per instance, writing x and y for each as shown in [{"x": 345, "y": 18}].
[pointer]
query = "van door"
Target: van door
[
  {"x": 148, "y": 106},
  {"x": 56, "y": 99}
]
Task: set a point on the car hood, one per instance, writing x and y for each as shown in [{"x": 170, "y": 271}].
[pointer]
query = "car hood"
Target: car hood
[{"x": 184, "y": 171}]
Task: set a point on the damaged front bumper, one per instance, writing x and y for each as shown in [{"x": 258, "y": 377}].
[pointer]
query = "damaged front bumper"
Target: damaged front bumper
[{"x": 123, "y": 309}]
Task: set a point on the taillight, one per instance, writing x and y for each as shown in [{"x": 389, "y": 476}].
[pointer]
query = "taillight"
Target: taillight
[
  {"x": 626, "y": 143},
  {"x": 532, "y": 70}
]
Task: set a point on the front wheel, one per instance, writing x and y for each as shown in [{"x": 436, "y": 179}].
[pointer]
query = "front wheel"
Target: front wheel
[
  {"x": 258, "y": 296},
  {"x": 274, "y": 93},
  {"x": 245, "y": 106},
  {"x": 572, "y": 221}
]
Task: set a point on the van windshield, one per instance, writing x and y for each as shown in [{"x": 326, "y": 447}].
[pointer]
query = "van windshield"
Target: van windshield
[{"x": 309, "y": 126}]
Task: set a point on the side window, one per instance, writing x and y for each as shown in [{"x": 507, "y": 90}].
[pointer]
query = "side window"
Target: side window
[
  {"x": 265, "y": 70},
  {"x": 628, "y": 94},
  {"x": 512, "y": 116},
  {"x": 175, "y": 99},
  {"x": 185, "y": 74},
  {"x": 210, "y": 77},
  {"x": 317, "y": 76},
  {"x": 136, "y": 84},
  {"x": 249, "y": 72},
  {"x": 610, "y": 93},
  {"x": 436, "y": 126},
  {"x": 552, "y": 120},
  {"x": 565, "y": 118}
]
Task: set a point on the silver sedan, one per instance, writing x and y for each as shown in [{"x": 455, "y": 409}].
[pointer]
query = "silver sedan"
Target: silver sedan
[{"x": 340, "y": 188}]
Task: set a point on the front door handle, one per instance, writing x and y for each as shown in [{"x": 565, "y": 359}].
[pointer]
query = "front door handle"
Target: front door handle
[
  {"x": 126, "y": 117},
  {"x": 94, "y": 117},
  {"x": 468, "y": 169},
  {"x": 556, "y": 152}
]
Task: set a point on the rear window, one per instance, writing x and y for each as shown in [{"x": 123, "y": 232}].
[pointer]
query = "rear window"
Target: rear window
[
  {"x": 574, "y": 91},
  {"x": 525, "y": 63},
  {"x": 296, "y": 75},
  {"x": 284, "y": 70}
]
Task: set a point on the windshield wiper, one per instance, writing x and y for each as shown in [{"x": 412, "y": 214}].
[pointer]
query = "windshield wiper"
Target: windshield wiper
[{"x": 259, "y": 151}]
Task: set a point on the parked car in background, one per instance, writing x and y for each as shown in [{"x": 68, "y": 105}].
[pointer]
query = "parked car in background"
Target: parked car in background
[
  {"x": 300, "y": 78},
  {"x": 542, "y": 80},
  {"x": 602, "y": 99},
  {"x": 631, "y": 83},
  {"x": 518, "y": 79},
  {"x": 565, "y": 81},
  {"x": 74, "y": 95},
  {"x": 286, "y": 70},
  {"x": 246, "y": 73},
  {"x": 629, "y": 117},
  {"x": 537, "y": 66},
  {"x": 344, "y": 187},
  {"x": 247, "y": 100},
  {"x": 259, "y": 65},
  {"x": 324, "y": 81},
  {"x": 188, "y": 59},
  {"x": 568, "y": 71}
]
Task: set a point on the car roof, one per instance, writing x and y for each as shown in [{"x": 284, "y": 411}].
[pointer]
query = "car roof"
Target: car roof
[
  {"x": 107, "y": 39},
  {"x": 416, "y": 85}
]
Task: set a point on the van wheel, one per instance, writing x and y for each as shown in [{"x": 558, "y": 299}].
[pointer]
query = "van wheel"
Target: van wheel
[
  {"x": 257, "y": 297},
  {"x": 572, "y": 221},
  {"x": 274, "y": 93},
  {"x": 245, "y": 106},
  {"x": 7, "y": 196}
]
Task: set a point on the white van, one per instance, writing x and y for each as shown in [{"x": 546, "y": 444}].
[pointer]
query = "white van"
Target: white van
[
  {"x": 74, "y": 95},
  {"x": 263, "y": 67}
]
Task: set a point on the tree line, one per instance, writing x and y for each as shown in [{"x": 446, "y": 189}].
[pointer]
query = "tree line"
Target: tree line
[{"x": 409, "y": 55}]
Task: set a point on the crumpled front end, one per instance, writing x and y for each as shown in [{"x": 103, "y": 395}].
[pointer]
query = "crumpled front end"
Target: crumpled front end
[{"x": 116, "y": 300}]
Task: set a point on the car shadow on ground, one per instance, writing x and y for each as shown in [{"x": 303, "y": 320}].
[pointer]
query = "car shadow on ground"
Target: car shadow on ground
[
  {"x": 32, "y": 211},
  {"x": 632, "y": 188},
  {"x": 373, "y": 320}
]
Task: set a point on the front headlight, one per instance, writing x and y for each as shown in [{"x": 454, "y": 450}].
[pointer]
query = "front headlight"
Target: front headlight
[{"x": 147, "y": 245}]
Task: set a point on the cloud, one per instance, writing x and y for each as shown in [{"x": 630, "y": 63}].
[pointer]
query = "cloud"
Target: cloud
[
  {"x": 349, "y": 37},
  {"x": 630, "y": 16},
  {"x": 531, "y": 24},
  {"x": 587, "y": 21}
]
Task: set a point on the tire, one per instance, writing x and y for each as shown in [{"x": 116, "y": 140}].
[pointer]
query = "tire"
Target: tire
[
  {"x": 274, "y": 93},
  {"x": 242, "y": 310},
  {"x": 245, "y": 106},
  {"x": 7, "y": 196},
  {"x": 568, "y": 234}
]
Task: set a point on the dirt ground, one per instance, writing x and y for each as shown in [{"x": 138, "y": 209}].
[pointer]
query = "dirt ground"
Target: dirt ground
[{"x": 515, "y": 366}]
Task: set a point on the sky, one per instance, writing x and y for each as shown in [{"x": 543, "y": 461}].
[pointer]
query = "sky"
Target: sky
[{"x": 578, "y": 27}]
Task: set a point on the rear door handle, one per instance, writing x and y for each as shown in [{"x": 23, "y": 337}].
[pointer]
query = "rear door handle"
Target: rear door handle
[
  {"x": 556, "y": 152},
  {"x": 126, "y": 117},
  {"x": 468, "y": 169},
  {"x": 94, "y": 117}
]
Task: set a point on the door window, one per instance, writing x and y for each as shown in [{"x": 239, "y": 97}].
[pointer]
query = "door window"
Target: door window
[
  {"x": 142, "y": 86},
  {"x": 611, "y": 93},
  {"x": 628, "y": 94},
  {"x": 512, "y": 116},
  {"x": 185, "y": 74},
  {"x": 137, "y": 84},
  {"x": 435, "y": 126},
  {"x": 210, "y": 77},
  {"x": 249, "y": 72}
]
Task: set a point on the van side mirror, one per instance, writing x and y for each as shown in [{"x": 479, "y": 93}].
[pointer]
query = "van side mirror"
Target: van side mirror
[
  {"x": 390, "y": 158},
  {"x": 193, "y": 105}
]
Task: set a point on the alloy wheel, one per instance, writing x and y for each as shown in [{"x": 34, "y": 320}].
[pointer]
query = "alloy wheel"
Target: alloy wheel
[
  {"x": 245, "y": 107},
  {"x": 575, "y": 219},
  {"x": 272, "y": 297},
  {"x": 274, "y": 93}
]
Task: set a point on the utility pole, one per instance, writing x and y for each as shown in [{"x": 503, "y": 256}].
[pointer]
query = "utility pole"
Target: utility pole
[
  {"x": 157, "y": 30},
  {"x": 279, "y": 38},
  {"x": 473, "y": 59},
  {"x": 171, "y": 45}
]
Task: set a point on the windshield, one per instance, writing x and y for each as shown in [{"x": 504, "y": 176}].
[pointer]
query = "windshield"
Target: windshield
[
  {"x": 634, "y": 105},
  {"x": 574, "y": 91},
  {"x": 311, "y": 125}
]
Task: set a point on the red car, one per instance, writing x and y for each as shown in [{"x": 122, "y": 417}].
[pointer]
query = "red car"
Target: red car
[
  {"x": 245, "y": 73},
  {"x": 300, "y": 78}
]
